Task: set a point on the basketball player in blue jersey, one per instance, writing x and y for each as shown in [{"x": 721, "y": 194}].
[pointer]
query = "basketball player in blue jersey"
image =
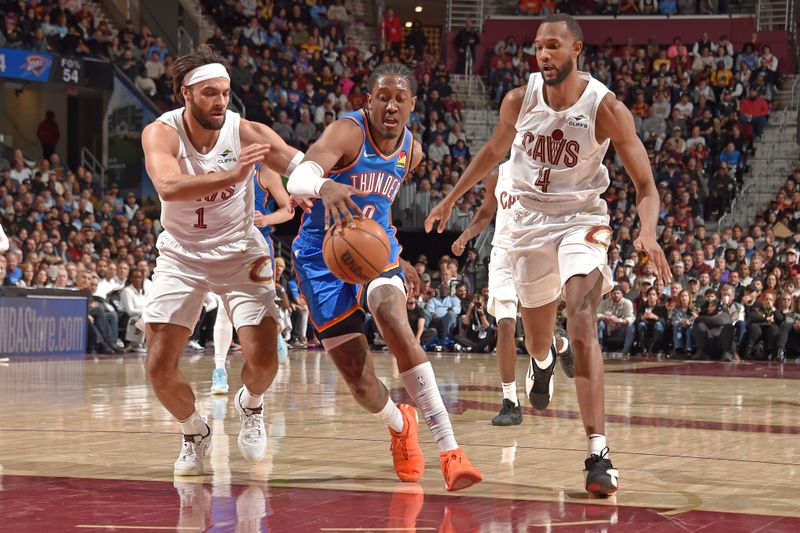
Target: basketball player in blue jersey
[
  {"x": 368, "y": 154},
  {"x": 272, "y": 206}
]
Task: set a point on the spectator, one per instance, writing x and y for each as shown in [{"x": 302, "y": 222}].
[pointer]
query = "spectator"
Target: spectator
[
  {"x": 651, "y": 321},
  {"x": 466, "y": 39},
  {"x": 132, "y": 301},
  {"x": 393, "y": 31},
  {"x": 444, "y": 310},
  {"x": 763, "y": 326},
  {"x": 615, "y": 319},
  {"x": 755, "y": 110},
  {"x": 48, "y": 134},
  {"x": 712, "y": 333},
  {"x": 417, "y": 320}
]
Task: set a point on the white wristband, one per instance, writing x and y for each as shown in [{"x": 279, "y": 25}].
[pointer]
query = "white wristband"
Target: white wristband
[
  {"x": 306, "y": 180},
  {"x": 296, "y": 160}
]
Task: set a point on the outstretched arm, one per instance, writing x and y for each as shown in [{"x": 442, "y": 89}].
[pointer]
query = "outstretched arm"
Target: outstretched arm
[
  {"x": 482, "y": 218},
  {"x": 340, "y": 142},
  {"x": 488, "y": 157},
  {"x": 283, "y": 158},
  {"x": 271, "y": 182},
  {"x": 160, "y": 144},
  {"x": 615, "y": 122}
]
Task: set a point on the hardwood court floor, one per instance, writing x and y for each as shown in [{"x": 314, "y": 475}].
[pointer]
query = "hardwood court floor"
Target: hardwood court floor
[{"x": 85, "y": 446}]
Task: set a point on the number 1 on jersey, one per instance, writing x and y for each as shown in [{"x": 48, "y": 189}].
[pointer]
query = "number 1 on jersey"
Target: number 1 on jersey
[
  {"x": 543, "y": 181},
  {"x": 200, "y": 219}
]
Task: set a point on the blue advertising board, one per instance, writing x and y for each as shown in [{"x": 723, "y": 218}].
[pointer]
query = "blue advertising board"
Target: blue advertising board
[
  {"x": 25, "y": 65},
  {"x": 43, "y": 325}
]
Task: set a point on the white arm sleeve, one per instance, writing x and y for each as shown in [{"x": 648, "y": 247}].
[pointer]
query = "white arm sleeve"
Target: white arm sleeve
[
  {"x": 306, "y": 180},
  {"x": 3, "y": 240}
]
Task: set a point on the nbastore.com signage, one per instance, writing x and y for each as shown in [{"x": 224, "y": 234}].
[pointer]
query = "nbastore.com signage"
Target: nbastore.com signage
[{"x": 42, "y": 322}]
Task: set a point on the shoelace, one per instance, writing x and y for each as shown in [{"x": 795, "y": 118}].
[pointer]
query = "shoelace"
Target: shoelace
[
  {"x": 595, "y": 458},
  {"x": 398, "y": 447},
  {"x": 188, "y": 449},
  {"x": 253, "y": 418}
]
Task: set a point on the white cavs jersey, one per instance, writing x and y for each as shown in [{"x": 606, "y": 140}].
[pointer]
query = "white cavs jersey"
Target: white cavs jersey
[
  {"x": 223, "y": 217},
  {"x": 505, "y": 201},
  {"x": 556, "y": 162}
]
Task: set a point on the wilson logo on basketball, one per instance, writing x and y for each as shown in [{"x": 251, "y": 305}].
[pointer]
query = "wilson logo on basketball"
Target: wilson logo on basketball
[
  {"x": 552, "y": 149},
  {"x": 261, "y": 270},
  {"x": 352, "y": 265}
]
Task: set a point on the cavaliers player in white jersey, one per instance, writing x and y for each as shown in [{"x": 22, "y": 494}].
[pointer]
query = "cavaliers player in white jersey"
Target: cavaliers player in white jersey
[
  {"x": 200, "y": 159},
  {"x": 558, "y": 128},
  {"x": 502, "y": 304}
]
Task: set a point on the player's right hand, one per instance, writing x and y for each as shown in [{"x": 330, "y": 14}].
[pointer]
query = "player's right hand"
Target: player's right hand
[
  {"x": 440, "y": 212},
  {"x": 459, "y": 245},
  {"x": 249, "y": 156},
  {"x": 339, "y": 207}
]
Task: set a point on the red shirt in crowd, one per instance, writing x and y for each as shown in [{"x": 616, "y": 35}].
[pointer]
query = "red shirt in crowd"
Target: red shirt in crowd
[{"x": 754, "y": 108}]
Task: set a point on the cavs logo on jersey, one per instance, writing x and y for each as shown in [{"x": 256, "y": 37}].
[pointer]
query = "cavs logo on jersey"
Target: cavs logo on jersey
[
  {"x": 401, "y": 160},
  {"x": 599, "y": 236},
  {"x": 261, "y": 269},
  {"x": 553, "y": 149},
  {"x": 227, "y": 156}
]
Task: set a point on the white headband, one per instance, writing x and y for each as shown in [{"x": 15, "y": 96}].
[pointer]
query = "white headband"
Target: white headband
[{"x": 205, "y": 72}]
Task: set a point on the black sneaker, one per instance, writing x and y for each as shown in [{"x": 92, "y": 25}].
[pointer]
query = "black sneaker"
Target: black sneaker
[
  {"x": 601, "y": 476},
  {"x": 567, "y": 359},
  {"x": 539, "y": 382},
  {"x": 509, "y": 415}
]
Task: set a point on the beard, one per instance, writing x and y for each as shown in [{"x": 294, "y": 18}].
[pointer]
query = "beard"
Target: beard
[
  {"x": 204, "y": 120},
  {"x": 563, "y": 72}
]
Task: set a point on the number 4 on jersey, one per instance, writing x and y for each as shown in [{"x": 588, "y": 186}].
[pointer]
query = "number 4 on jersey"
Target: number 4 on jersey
[{"x": 543, "y": 181}]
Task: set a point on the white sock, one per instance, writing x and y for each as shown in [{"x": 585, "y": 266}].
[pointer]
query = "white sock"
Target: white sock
[
  {"x": 596, "y": 444},
  {"x": 391, "y": 416},
  {"x": 250, "y": 400},
  {"x": 547, "y": 362},
  {"x": 420, "y": 382},
  {"x": 564, "y": 347},
  {"x": 194, "y": 425},
  {"x": 510, "y": 392},
  {"x": 223, "y": 336}
]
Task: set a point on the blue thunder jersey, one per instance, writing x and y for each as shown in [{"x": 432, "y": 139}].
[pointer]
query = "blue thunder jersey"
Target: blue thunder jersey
[
  {"x": 335, "y": 306},
  {"x": 264, "y": 204},
  {"x": 380, "y": 174}
]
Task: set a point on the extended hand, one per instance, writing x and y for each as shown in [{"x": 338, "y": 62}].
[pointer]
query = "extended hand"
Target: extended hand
[
  {"x": 338, "y": 204},
  {"x": 649, "y": 245},
  {"x": 459, "y": 244},
  {"x": 249, "y": 156},
  {"x": 440, "y": 212}
]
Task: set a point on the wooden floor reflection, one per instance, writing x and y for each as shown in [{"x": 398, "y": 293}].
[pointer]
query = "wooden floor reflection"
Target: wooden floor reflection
[{"x": 687, "y": 438}]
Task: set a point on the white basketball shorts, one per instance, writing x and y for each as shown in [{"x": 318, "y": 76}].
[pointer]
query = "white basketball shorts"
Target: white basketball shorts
[
  {"x": 550, "y": 249},
  {"x": 241, "y": 273},
  {"x": 502, "y": 293}
]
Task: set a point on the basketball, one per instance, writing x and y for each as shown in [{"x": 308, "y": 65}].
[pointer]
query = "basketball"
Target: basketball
[{"x": 357, "y": 255}]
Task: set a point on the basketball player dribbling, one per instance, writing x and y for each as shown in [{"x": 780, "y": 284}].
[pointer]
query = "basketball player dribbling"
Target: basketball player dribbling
[
  {"x": 558, "y": 128},
  {"x": 368, "y": 154},
  {"x": 272, "y": 206},
  {"x": 200, "y": 159},
  {"x": 502, "y": 304}
]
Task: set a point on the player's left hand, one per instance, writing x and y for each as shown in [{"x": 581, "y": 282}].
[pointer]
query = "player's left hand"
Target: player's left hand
[
  {"x": 412, "y": 277},
  {"x": 260, "y": 220},
  {"x": 460, "y": 244},
  {"x": 649, "y": 245},
  {"x": 339, "y": 207}
]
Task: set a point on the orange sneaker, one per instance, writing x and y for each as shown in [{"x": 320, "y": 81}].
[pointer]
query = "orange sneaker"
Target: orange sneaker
[
  {"x": 459, "y": 473},
  {"x": 409, "y": 464}
]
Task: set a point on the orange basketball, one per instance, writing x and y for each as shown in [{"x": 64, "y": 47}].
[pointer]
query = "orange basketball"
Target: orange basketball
[{"x": 357, "y": 255}]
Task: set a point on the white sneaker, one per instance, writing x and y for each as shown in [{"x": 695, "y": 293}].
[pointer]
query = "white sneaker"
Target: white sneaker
[
  {"x": 193, "y": 453},
  {"x": 194, "y": 345},
  {"x": 252, "y": 434}
]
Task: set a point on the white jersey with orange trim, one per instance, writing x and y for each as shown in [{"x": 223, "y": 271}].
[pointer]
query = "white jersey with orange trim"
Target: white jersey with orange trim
[
  {"x": 223, "y": 217},
  {"x": 505, "y": 201},
  {"x": 556, "y": 162}
]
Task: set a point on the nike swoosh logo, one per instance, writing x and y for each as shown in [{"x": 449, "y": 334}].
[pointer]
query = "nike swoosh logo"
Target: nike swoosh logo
[
  {"x": 368, "y": 155},
  {"x": 533, "y": 112}
]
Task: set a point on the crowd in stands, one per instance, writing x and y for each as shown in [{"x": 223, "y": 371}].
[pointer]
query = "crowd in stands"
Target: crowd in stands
[
  {"x": 624, "y": 7},
  {"x": 698, "y": 107}
]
